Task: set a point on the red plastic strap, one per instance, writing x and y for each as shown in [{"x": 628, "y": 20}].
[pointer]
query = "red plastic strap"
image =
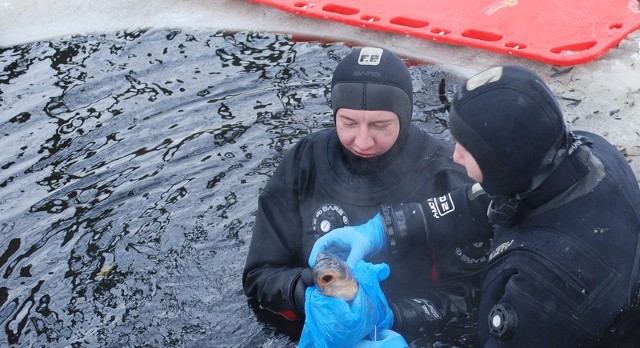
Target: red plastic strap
[
  {"x": 561, "y": 32},
  {"x": 435, "y": 275},
  {"x": 290, "y": 315}
]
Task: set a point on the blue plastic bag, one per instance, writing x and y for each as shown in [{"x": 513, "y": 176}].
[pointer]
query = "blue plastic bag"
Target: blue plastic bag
[
  {"x": 385, "y": 339},
  {"x": 332, "y": 322}
]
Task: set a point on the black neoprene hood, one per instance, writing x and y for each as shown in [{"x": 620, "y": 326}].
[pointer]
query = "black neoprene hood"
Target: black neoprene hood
[
  {"x": 372, "y": 78},
  {"x": 509, "y": 121}
]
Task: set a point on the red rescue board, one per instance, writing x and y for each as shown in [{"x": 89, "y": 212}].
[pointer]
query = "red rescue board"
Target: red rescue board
[{"x": 560, "y": 32}]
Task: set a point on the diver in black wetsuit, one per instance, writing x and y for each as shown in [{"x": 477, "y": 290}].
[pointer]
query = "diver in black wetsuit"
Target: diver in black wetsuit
[
  {"x": 564, "y": 264},
  {"x": 340, "y": 176}
]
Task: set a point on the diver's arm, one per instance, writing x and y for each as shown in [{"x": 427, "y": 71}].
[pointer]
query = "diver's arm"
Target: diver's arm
[
  {"x": 276, "y": 272},
  {"x": 269, "y": 274},
  {"x": 440, "y": 223},
  {"x": 458, "y": 217},
  {"x": 433, "y": 310}
]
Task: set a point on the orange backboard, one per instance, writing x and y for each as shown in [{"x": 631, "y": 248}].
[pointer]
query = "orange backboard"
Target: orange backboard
[{"x": 561, "y": 32}]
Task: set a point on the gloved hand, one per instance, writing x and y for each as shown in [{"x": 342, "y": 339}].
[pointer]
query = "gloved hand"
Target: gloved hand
[
  {"x": 333, "y": 322},
  {"x": 385, "y": 339},
  {"x": 304, "y": 280},
  {"x": 358, "y": 241},
  {"x": 418, "y": 316}
]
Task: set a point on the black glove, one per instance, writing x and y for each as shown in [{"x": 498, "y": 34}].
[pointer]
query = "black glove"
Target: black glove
[
  {"x": 419, "y": 316},
  {"x": 415, "y": 317},
  {"x": 305, "y": 279}
]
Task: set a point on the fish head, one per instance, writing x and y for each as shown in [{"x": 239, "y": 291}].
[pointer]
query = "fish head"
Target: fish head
[{"x": 333, "y": 277}]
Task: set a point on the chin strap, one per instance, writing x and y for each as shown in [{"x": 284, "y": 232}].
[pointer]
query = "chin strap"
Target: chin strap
[{"x": 505, "y": 211}]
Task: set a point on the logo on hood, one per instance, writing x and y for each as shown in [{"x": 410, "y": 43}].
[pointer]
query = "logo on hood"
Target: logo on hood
[{"x": 370, "y": 56}]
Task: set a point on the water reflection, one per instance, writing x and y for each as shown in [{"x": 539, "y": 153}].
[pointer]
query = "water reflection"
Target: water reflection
[{"x": 129, "y": 174}]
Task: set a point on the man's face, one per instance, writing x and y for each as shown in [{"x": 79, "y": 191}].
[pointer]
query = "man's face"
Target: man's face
[
  {"x": 367, "y": 133},
  {"x": 465, "y": 159}
]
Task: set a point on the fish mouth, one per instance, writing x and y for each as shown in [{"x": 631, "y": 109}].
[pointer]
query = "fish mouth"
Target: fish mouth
[{"x": 333, "y": 277}]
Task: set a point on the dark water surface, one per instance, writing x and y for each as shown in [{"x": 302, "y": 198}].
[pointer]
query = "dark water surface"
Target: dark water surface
[{"x": 129, "y": 173}]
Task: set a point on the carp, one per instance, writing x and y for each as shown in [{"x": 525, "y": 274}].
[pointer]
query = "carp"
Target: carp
[{"x": 333, "y": 277}]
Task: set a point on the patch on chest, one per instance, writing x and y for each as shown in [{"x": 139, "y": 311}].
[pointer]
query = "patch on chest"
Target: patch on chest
[
  {"x": 473, "y": 254},
  {"x": 329, "y": 217}
]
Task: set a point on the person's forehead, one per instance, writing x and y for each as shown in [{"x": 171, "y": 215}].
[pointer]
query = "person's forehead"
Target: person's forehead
[{"x": 367, "y": 114}]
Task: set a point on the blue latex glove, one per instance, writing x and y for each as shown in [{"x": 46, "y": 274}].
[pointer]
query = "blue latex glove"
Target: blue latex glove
[
  {"x": 358, "y": 241},
  {"x": 332, "y": 322},
  {"x": 385, "y": 339}
]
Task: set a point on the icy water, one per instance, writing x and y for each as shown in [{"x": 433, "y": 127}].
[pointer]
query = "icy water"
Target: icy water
[{"x": 129, "y": 172}]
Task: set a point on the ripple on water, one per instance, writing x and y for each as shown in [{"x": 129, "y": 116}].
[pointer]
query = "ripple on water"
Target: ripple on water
[{"x": 129, "y": 174}]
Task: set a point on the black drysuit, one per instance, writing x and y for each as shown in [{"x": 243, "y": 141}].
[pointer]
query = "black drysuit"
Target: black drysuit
[
  {"x": 568, "y": 271},
  {"x": 567, "y": 274},
  {"x": 315, "y": 190}
]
